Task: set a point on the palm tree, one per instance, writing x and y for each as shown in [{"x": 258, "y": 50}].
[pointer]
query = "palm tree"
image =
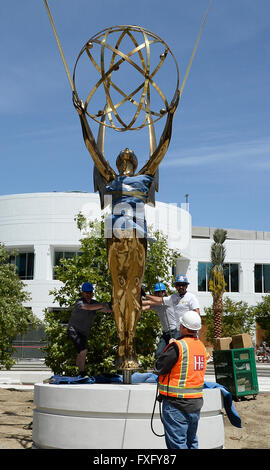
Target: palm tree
[{"x": 217, "y": 282}]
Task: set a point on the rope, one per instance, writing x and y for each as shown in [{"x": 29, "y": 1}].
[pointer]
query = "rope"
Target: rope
[
  {"x": 195, "y": 48},
  {"x": 59, "y": 45},
  {"x": 160, "y": 414}
]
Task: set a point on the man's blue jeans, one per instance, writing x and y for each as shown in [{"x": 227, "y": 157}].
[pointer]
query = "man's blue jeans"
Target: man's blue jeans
[{"x": 180, "y": 427}]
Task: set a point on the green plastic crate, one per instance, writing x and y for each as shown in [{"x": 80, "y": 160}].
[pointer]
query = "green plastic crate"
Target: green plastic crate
[{"x": 236, "y": 370}]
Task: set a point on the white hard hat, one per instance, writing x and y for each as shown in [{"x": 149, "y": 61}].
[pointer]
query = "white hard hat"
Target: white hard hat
[{"x": 191, "y": 320}]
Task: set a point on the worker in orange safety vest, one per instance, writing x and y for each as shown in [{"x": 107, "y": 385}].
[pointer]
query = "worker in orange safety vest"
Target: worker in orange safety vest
[{"x": 181, "y": 370}]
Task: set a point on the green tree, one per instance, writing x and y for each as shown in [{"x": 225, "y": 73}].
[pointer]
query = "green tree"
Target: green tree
[
  {"x": 238, "y": 317},
  {"x": 262, "y": 314},
  {"x": 92, "y": 265},
  {"x": 217, "y": 282},
  {"x": 14, "y": 316}
]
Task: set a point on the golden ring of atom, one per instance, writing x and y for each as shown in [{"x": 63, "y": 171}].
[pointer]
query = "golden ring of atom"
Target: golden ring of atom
[{"x": 128, "y": 64}]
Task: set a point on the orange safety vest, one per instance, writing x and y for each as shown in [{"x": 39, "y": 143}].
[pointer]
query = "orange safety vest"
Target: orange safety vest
[{"x": 186, "y": 377}]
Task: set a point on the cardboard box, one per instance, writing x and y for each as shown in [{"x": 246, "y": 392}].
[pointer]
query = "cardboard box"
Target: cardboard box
[
  {"x": 241, "y": 341},
  {"x": 221, "y": 344}
]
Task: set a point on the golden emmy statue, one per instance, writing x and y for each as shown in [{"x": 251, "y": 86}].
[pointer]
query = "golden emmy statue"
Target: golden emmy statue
[
  {"x": 128, "y": 191},
  {"x": 121, "y": 58}
]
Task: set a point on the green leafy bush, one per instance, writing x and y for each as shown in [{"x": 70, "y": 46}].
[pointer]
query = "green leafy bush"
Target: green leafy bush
[
  {"x": 92, "y": 266},
  {"x": 262, "y": 315}
]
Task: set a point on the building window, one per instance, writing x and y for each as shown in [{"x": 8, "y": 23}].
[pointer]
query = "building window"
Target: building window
[
  {"x": 231, "y": 276},
  {"x": 24, "y": 263},
  {"x": 203, "y": 276},
  {"x": 59, "y": 255},
  {"x": 262, "y": 278}
]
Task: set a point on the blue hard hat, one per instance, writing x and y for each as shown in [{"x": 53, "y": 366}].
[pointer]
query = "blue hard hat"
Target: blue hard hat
[
  {"x": 181, "y": 278},
  {"x": 87, "y": 287},
  {"x": 159, "y": 286}
]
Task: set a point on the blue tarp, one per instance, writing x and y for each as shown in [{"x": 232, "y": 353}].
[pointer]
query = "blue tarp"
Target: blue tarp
[
  {"x": 230, "y": 409},
  {"x": 64, "y": 379},
  {"x": 136, "y": 378}
]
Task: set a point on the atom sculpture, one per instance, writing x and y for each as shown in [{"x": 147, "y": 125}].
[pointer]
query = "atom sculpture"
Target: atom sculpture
[{"x": 138, "y": 58}]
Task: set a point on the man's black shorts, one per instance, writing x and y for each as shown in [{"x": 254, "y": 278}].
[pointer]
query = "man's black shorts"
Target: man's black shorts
[{"x": 79, "y": 340}]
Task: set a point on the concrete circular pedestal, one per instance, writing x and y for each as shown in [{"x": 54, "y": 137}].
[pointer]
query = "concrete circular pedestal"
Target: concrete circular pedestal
[{"x": 112, "y": 416}]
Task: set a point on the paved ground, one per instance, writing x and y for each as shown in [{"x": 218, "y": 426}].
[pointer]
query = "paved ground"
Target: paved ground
[{"x": 16, "y": 415}]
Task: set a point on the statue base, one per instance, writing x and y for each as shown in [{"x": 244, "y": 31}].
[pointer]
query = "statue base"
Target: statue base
[
  {"x": 127, "y": 375},
  {"x": 112, "y": 416}
]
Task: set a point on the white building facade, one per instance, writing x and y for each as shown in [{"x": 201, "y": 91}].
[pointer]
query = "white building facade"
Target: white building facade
[
  {"x": 247, "y": 264},
  {"x": 42, "y": 229}
]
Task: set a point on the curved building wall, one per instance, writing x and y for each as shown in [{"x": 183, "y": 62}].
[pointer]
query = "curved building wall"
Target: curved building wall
[{"x": 43, "y": 223}]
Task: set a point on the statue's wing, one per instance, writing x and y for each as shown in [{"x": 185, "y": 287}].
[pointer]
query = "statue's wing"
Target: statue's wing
[
  {"x": 99, "y": 181},
  {"x": 100, "y": 186},
  {"x": 157, "y": 153},
  {"x": 152, "y": 144},
  {"x": 151, "y": 200}
]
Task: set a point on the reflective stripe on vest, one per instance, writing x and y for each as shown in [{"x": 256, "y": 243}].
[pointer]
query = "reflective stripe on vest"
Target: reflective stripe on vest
[
  {"x": 177, "y": 390},
  {"x": 184, "y": 364}
]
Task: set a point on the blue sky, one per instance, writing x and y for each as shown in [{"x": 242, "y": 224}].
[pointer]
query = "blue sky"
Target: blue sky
[{"x": 220, "y": 149}]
